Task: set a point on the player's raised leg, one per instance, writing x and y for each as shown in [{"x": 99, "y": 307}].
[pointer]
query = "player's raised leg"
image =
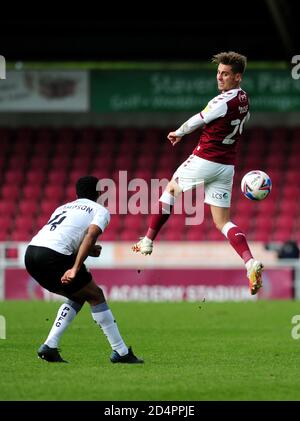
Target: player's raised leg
[
  {"x": 165, "y": 206},
  {"x": 238, "y": 241}
]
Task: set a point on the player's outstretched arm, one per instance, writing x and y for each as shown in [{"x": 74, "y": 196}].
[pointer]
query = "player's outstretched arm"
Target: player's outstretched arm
[
  {"x": 189, "y": 126},
  {"x": 86, "y": 246}
]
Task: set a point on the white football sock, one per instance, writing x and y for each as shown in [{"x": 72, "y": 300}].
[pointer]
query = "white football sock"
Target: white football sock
[
  {"x": 168, "y": 198},
  {"x": 249, "y": 264},
  {"x": 227, "y": 227},
  {"x": 65, "y": 315},
  {"x": 168, "y": 201},
  {"x": 104, "y": 318}
]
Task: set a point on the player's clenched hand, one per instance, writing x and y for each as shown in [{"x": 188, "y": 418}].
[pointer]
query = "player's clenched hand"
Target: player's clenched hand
[
  {"x": 95, "y": 251},
  {"x": 68, "y": 276},
  {"x": 173, "y": 138}
]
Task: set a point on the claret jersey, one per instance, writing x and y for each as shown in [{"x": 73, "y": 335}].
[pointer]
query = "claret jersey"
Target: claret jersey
[
  {"x": 68, "y": 225},
  {"x": 224, "y": 117}
]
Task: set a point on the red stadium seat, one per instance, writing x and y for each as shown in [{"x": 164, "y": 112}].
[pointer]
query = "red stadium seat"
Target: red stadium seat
[
  {"x": 64, "y": 148},
  {"x": 103, "y": 162},
  {"x": 25, "y": 222},
  {"x": 17, "y": 162},
  {"x": 144, "y": 174},
  {"x": 196, "y": 233},
  {"x": 80, "y": 162},
  {"x": 70, "y": 193},
  {"x": 11, "y": 191},
  {"x": 20, "y": 235},
  {"x": 28, "y": 207},
  {"x": 266, "y": 207},
  {"x": 245, "y": 206},
  {"x": 32, "y": 191},
  {"x": 124, "y": 163},
  {"x": 263, "y": 235},
  {"x": 7, "y": 207},
  {"x": 162, "y": 174},
  {"x": 47, "y": 207},
  {"x": 60, "y": 163},
  {"x": 282, "y": 234},
  {"x": 109, "y": 134},
  {"x": 293, "y": 160},
  {"x": 53, "y": 191},
  {"x": 41, "y": 221},
  {"x": 127, "y": 235},
  {"x": 58, "y": 176},
  {"x": 215, "y": 235},
  {"x": 6, "y": 221},
  {"x": 132, "y": 222},
  {"x": 87, "y": 134},
  {"x": 170, "y": 235},
  {"x": 146, "y": 161},
  {"x": 14, "y": 177},
  {"x": 4, "y": 235},
  {"x": 74, "y": 175},
  {"x": 24, "y": 134},
  {"x": 108, "y": 148},
  {"x": 262, "y": 223},
  {"x": 39, "y": 162},
  {"x": 243, "y": 222},
  {"x": 289, "y": 208},
  {"x": 42, "y": 148},
  {"x": 109, "y": 235},
  {"x": 35, "y": 177}
]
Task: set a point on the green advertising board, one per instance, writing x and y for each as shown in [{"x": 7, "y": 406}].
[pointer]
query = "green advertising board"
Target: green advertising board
[{"x": 187, "y": 90}]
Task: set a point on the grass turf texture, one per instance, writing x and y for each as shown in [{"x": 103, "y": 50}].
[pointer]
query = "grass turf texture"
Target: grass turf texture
[{"x": 192, "y": 351}]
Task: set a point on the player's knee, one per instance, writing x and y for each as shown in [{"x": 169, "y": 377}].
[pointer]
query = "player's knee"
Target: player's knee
[
  {"x": 97, "y": 297},
  {"x": 76, "y": 305},
  {"x": 169, "y": 187},
  {"x": 101, "y": 294},
  {"x": 173, "y": 188},
  {"x": 219, "y": 225}
]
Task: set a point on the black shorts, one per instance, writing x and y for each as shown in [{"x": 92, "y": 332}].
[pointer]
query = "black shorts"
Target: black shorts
[{"x": 47, "y": 267}]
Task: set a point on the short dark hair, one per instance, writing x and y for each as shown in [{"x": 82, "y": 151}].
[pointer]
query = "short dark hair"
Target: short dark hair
[
  {"x": 86, "y": 188},
  {"x": 237, "y": 61}
]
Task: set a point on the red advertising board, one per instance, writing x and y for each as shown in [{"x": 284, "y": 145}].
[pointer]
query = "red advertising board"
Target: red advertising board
[{"x": 165, "y": 284}]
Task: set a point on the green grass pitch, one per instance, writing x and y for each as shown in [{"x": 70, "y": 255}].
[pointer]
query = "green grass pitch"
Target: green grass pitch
[{"x": 192, "y": 351}]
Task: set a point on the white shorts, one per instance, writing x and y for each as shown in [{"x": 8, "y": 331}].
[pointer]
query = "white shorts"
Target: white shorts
[{"x": 217, "y": 178}]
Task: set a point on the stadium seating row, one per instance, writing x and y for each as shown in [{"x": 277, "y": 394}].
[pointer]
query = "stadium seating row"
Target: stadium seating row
[{"x": 38, "y": 169}]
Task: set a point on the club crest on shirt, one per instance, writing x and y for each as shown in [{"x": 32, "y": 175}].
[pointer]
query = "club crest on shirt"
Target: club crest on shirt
[{"x": 242, "y": 97}]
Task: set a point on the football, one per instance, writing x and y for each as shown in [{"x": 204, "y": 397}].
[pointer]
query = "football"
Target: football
[{"x": 256, "y": 185}]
